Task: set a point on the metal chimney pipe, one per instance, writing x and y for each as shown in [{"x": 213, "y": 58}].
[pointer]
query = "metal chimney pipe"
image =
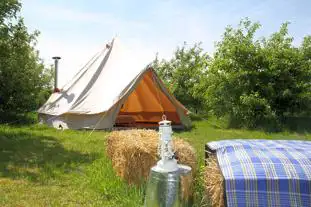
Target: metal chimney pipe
[{"x": 56, "y": 59}]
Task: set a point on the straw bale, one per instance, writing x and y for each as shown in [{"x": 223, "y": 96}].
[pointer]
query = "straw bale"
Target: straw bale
[
  {"x": 131, "y": 153},
  {"x": 214, "y": 182},
  {"x": 186, "y": 154},
  {"x": 134, "y": 152},
  {"x": 187, "y": 187}
]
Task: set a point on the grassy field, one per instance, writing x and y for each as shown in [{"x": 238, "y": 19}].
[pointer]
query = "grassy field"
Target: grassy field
[{"x": 41, "y": 166}]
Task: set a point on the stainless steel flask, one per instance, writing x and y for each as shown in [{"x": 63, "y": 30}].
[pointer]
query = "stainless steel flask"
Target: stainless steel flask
[
  {"x": 165, "y": 189},
  {"x": 166, "y": 186}
]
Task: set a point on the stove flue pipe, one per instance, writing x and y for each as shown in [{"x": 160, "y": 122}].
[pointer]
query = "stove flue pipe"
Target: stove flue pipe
[{"x": 56, "y": 59}]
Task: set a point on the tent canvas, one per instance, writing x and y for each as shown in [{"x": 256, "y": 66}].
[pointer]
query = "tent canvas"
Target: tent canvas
[{"x": 113, "y": 89}]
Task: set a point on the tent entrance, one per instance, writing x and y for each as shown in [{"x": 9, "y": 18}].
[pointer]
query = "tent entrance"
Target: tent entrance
[{"x": 145, "y": 106}]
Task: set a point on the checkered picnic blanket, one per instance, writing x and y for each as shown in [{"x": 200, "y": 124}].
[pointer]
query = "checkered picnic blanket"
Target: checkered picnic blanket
[{"x": 265, "y": 172}]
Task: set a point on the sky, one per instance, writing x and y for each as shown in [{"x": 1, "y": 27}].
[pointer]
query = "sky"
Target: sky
[{"x": 77, "y": 29}]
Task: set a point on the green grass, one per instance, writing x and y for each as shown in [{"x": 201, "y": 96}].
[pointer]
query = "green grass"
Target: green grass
[{"x": 41, "y": 166}]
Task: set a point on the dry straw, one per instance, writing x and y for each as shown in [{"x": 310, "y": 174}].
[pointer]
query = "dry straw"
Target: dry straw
[
  {"x": 134, "y": 152},
  {"x": 213, "y": 182}
]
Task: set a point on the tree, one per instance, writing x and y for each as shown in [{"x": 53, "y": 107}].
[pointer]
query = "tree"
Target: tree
[
  {"x": 184, "y": 73},
  {"x": 253, "y": 82},
  {"x": 23, "y": 76}
]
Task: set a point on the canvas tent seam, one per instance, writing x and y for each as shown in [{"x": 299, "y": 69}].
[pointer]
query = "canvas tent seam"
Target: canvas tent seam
[
  {"x": 158, "y": 94},
  {"x": 84, "y": 68},
  {"x": 90, "y": 62},
  {"x": 129, "y": 90},
  {"x": 173, "y": 100},
  {"x": 86, "y": 90},
  {"x": 76, "y": 78}
]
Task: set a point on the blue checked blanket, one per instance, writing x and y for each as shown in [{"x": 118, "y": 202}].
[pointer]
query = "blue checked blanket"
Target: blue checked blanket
[{"x": 265, "y": 172}]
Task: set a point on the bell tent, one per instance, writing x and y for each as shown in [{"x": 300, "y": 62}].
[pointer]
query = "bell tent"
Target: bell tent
[{"x": 113, "y": 89}]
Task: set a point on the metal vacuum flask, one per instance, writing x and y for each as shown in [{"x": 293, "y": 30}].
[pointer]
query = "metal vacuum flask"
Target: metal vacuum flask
[{"x": 164, "y": 187}]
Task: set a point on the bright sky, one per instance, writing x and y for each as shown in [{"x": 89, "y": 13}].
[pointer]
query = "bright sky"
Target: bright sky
[{"x": 76, "y": 29}]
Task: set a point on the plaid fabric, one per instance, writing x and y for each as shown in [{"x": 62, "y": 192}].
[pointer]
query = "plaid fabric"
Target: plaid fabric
[{"x": 265, "y": 172}]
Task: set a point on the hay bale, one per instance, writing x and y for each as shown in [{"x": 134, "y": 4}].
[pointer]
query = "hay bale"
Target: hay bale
[
  {"x": 131, "y": 153},
  {"x": 214, "y": 182},
  {"x": 134, "y": 152},
  {"x": 186, "y": 154}
]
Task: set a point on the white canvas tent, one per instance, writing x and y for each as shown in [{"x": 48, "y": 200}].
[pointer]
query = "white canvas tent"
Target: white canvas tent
[{"x": 112, "y": 89}]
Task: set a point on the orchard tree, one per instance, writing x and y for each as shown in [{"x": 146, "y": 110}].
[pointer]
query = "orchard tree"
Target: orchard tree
[
  {"x": 287, "y": 72},
  {"x": 257, "y": 82},
  {"x": 184, "y": 75},
  {"x": 23, "y": 77}
]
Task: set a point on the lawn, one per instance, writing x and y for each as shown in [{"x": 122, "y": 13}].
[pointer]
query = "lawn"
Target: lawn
[{"x": 41, "y": 166}]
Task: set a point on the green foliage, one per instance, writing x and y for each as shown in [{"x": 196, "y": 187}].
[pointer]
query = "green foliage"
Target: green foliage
[
  {"x": 24, "y": 82},
  {"x": 258, "y": 82},
  {"x": 8, "y": 9},
  {"x": 184, "y": 75},
  {"x": 252, "y": 82}
]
